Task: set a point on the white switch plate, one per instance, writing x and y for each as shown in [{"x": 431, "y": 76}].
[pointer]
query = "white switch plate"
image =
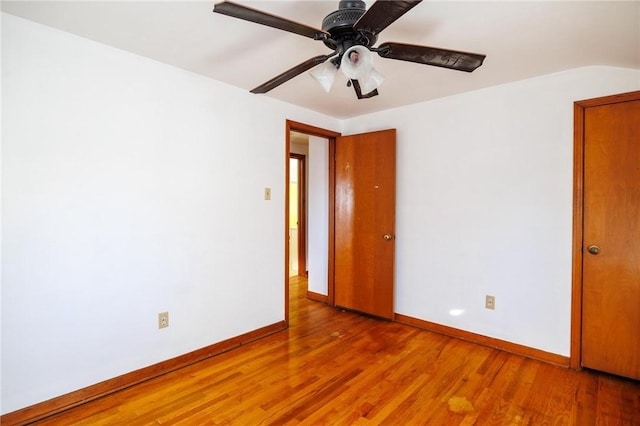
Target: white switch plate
[
  {"x": 490, "y": 302},
  {"x": 267, "y": 193},
  {"x": 163, "y": 319}
]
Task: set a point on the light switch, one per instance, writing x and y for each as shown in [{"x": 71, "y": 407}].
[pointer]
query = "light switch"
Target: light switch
[{"x": 267, "y": 193}]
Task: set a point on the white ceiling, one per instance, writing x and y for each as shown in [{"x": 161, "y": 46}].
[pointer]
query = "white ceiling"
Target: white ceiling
[{"x": 521, "y": 40}]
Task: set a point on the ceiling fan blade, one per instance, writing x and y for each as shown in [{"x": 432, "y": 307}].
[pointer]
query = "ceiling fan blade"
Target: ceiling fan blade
[
  {"x": 358, "y": 89},
  {"x": 290, "y": 73},
  {"x": 461, "y": 61},
  {"x": 253, "y": 15},
  {"x": 382, "y": 14}
]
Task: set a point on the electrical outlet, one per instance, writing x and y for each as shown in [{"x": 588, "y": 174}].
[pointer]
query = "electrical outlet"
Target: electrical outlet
[
  {"x": 490, "y": 302},
  {"x": 163, "y": 319}
]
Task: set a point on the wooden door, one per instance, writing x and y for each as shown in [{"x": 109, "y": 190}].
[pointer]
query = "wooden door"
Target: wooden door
[
  {"x": 611, "y": 237},
  {"x": 365, "y": 187}
]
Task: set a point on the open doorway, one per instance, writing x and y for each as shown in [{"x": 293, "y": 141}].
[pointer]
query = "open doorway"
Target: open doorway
[
  {"x": 297, "y": 212},
  {"x": 299, "y": 137}
]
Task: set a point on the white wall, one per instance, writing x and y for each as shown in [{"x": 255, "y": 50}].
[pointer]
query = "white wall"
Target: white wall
[
  {"x": 1, "y": 210},
  {"x": 484, "y": 204},
  {"x": 129, "y": 188},
  {"x": 318, "y": 205},
  {"x": 298, "y": 148}
]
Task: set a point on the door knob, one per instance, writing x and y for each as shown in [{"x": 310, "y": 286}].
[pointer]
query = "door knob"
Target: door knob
[
  {"x": 593, "y": 249},
  {"x": 387, "y": 237}
]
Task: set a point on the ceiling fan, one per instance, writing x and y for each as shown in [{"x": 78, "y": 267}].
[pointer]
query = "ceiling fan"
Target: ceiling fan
[{"x": 351, "y": 33}]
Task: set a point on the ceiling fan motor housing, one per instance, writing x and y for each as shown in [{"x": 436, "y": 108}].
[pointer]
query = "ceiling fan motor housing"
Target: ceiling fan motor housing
[{"x": 340, "y": 25}]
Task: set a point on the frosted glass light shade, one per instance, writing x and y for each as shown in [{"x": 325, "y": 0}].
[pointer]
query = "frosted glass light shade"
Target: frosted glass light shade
[
  {"x": 325, "y": 74},
  {"x": 356, "y": 62},
  {"x": 371, "y": 81}
]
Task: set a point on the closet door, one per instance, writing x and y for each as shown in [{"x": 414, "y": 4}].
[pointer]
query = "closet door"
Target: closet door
[{"x": 611, "y": 238}]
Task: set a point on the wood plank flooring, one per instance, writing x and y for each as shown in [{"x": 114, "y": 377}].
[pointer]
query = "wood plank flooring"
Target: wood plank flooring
[{"x": 339, "y": 368}]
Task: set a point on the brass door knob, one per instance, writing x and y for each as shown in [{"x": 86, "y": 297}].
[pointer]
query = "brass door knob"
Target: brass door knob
[
  {"x": 593, "y": 249},
  {"x": 387, "y": 237}
]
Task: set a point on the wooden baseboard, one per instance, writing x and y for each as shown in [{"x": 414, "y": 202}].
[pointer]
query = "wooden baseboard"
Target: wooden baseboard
[
  {"x": 502, "y": 345},
  {"x": 317, "y": 297},
  {"x": 56, "y": 405}
]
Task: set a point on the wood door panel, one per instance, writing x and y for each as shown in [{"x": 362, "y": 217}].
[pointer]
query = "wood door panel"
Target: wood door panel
[
  {"x": 611, "y": 278},
  {"x": 364, "y": 213}
]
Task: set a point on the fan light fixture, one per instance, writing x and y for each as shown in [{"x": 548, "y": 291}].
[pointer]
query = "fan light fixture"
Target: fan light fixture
[
  {"x": 356, "y": 64},
  {"x": 351, "y": 33}
]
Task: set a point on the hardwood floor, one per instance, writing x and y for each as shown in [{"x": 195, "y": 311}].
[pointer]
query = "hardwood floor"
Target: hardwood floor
[{"x": 338, "y": 368}]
